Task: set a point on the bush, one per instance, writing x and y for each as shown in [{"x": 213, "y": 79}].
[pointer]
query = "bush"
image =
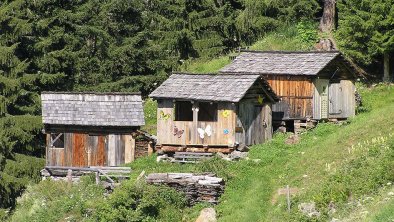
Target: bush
[
  {"x": 16, "y": 176},
  {"x": 132, "y": 202}
]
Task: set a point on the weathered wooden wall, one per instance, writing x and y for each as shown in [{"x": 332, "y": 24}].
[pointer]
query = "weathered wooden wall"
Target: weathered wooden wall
[
  {"x": 296, "y": 93},
  {"x": 223, "y": 130},
  {"x": 334, "y": 100},
  {"x": 342, "y": 101},
  {"x": 81, "y": 150},
  {"x": 254, "y": 122}
]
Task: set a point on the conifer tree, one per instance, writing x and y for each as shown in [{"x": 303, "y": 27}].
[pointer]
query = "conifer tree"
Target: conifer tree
[{"x": 366, "y": 30}]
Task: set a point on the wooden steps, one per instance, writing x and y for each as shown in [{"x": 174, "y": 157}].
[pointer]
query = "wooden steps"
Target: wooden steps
[
  {"x": 191, "y": 157},
  {"x": 303, "y": 125}
]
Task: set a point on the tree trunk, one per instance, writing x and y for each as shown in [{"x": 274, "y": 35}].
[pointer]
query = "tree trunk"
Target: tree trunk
[
  {"x": 386, "y": 74},
  {"x": 327, "y": 24},
  {"x": 327, "y": 21}
]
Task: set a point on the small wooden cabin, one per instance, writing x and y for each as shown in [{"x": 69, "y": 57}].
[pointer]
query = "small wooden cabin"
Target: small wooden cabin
[
  {"x": 90, "y": 129},
  {"x": 213, "y": 112},
  {"x": 310, "y": 85}
]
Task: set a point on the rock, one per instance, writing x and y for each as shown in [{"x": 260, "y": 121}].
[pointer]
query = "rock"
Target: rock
[
  {"x": 159, "y": 152},
  {"x": 235, "y": 155},
  {"x": 309, "y": 209},
  {"x": 331, "y": 208},
  {"x": 256, "y": 160},
  {"x": 304, "y": 176},
  {"x": 161, "y": 158},
  {"x": 281, "y": 129},
  {"x": 243, "y": 148},
  {"x": 207, "y": 215},
  {"x": 335, "y": 220},
  {"x": 293, "y": 139},
  {"x": 221, "y": 155},
  {"x": 390, "y": 193},
  {"x": 388, "y": 184}
]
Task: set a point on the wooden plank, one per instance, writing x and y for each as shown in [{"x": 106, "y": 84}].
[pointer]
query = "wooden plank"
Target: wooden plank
[
  {"x": 121, "y": 151},
  {"x": 100, "y": 155},
  {"x": 79, "y": 154},
  {"x": 68, "y": 146},
  {"x": 47, "y": 151},
  {"x": 129, "y": 149},
  {"x": 111, "y": 161}
]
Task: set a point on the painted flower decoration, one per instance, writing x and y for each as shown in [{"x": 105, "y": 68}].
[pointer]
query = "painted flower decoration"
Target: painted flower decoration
[
  {"x": 226, "y": 113},
  {"x": 226, "y": 131},
  {"x": 260, "y": 100},
  {"x": 164, "y": 116}
]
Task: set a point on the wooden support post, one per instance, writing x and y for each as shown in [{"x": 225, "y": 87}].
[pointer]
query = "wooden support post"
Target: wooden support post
[
  {"x": 195, "y": 123},
  {"x": 132, "y": 148},
  {"x": 97, "y": 178},
  {"x": 129, "y": 149},
  {"x": 48, "y": 150},
  {"x": 69, "y": 177},
  {"x": 150, "y": 148}
]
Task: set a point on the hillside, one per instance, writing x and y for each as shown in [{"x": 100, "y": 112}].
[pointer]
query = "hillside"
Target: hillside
[
  {"x": 133, "y": 45},
  {"x": 345, "y": 166}
]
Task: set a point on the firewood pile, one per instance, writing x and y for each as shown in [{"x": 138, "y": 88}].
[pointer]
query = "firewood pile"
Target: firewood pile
[
  {"x": 197, "y": 187},
  {"x": 141, "y": 148}
]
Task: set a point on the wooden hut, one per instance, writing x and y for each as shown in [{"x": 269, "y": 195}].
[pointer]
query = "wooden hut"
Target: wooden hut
[
  {"x": 90, "y": 129},
  {"x": 311, "y": 85},
  {"x": 213, "y": 113}
]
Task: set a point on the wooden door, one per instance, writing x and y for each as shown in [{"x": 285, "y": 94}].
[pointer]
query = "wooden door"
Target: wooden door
[
  {"x": 335, "y": 100},
  {"x": 79, "y": 154},
  {"x": 320, "y": 99}
]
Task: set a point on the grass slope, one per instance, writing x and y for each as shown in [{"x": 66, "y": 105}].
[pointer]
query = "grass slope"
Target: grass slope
[
  {"x": 321, "y": 166},
  {"x": 299, "y": 37}
]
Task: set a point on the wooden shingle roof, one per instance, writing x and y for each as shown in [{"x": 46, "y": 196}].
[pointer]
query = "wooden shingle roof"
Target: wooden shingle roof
[
  {"x": 208, "y": 87},
  {"x": 281, "y": 63},
  {"x": 92, "y": 109}
]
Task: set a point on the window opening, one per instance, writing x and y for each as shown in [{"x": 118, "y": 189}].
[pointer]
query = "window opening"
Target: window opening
[
  {"x": 57, "y": 140},
  {"x": 183, "y": 111},
  {"x": 207, "y": 112}
]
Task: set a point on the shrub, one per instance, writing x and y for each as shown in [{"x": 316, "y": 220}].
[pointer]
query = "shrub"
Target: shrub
[{"x": 132, "y": 202}]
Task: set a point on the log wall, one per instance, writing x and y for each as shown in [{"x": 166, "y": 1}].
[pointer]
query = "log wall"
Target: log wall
[
  {"x": 82, "y": 150},
  {"x": 296, "y": 93}
]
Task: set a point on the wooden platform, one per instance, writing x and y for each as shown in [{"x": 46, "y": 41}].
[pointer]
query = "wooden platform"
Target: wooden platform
[
  {"x": 195, "y": 149},
  {"x": 107, "y": 172}
]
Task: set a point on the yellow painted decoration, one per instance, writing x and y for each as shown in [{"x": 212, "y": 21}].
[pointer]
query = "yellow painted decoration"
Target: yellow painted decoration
[
  {"x": 226, "y": 113},
  {"x": 260, "y": 100},
  {"x": 164, "y": 116}
]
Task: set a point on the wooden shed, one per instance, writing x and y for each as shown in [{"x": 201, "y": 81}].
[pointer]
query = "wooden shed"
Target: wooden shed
[
  {"x": 213, "y": 112},
  {"x": 310, "y": 85},
  {"x": 90, "y": 129}
]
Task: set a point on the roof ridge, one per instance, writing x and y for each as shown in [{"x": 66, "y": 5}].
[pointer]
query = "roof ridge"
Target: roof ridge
[
  {"x": 219, "y": 73},
  {"x": 94, "y": 93},
  {"x": 288, "y": 52}
]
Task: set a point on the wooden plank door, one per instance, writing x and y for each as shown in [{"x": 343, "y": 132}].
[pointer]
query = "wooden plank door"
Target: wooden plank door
[
  {"x": 79, "y": 153},
  {"x": 335, "y": 100},
  {"x": 320, "y": 100}
]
